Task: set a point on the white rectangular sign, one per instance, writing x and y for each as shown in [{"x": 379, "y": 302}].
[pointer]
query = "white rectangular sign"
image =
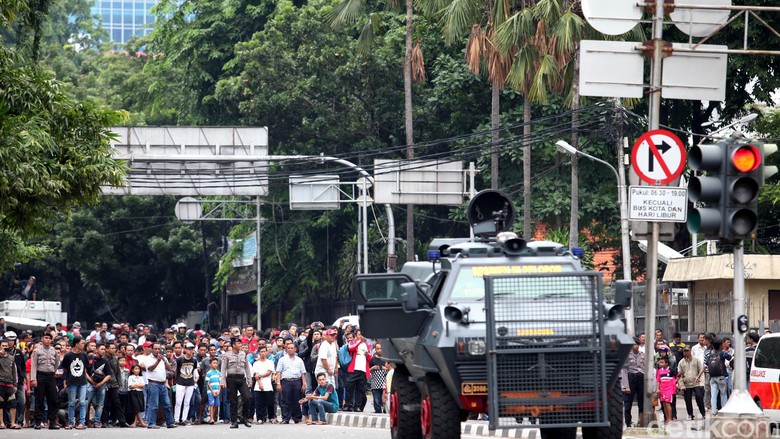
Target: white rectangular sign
[
  {"x": 659, "y": 204},
  {"x": 612, "y": 69},
  {"x": 437, "y": 182},
  {"x": 697, "y": 76}
]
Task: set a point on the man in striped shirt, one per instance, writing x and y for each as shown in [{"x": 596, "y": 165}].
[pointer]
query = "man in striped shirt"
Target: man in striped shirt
[{"x": 291, "y": 379}]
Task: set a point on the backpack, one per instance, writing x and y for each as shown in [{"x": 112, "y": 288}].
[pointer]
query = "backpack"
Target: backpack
[
  {"x": 715, "y": 365},
  {"x": 345, "y": 358},
  {"x": 749, "y": 354}
]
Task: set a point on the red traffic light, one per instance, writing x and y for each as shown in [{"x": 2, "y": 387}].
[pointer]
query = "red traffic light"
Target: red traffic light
[{"x": 746, "y": 158}]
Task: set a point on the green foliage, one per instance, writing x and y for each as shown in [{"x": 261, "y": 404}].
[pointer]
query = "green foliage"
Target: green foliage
[
  {"x": 226, "y": 268},
  {"x": 9, "y": 9},
  {"x": 769, "y": 123},
  {"x": 331, "y": 100},
  {"x": 132, "y": 254},
  {"x": 198, "y": 39},
  {"x": 54, "y": 151},
  {"x": 561, "y": 236}
]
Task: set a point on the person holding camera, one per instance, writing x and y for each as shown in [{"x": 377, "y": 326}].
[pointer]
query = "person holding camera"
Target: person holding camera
[
  {"x": 156, "y": 367},
  {"x": 22, "y": 289}
]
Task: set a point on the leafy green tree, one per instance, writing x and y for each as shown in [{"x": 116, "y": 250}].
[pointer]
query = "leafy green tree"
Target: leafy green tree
[
  {"x": 9, "y": 9},
  {"x": 132, "y": 256},
  {"x": 54, "y": 151},
  {"x": 480, "y": 20},
  {"x": 336, "y": 100},
  {"x": 197, "y": 38}
]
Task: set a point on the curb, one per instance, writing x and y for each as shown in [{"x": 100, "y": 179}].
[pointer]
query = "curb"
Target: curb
[
  {"x": 469, "y": 428},
  {"x": 358, "y": 420}
]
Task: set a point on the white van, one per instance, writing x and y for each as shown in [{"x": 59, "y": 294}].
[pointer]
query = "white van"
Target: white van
[{"x": 765, "y": 376}]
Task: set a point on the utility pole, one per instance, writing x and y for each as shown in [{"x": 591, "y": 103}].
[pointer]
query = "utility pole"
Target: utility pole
[
  {"x": 258, "y": 261},
  {"x": 625, "y": 239},
  {"x": 652, "y": 243}
]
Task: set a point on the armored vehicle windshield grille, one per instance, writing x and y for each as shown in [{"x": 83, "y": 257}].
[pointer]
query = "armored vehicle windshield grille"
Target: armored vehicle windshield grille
[{"x": 546, "y": 352}]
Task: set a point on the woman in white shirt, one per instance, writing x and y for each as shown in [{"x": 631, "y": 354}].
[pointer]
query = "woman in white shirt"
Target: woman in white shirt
[{"x": 263, "y": 390}]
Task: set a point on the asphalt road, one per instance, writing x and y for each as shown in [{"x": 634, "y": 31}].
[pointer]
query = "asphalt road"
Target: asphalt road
[
  {"x": 211, "y": 432},
  {"x": 220, "y": 431},
  {"x": 685, "y": 430}
]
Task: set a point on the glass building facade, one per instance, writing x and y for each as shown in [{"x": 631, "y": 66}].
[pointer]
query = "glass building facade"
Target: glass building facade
[{"x": 125, "y": 18}]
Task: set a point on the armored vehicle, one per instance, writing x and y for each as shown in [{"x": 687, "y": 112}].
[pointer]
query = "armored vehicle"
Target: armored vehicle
[{"x": 518, "y": 331}]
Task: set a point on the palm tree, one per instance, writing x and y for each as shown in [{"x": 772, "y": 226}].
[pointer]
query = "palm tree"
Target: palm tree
[
  {"x": 480, "y": 19},
  {"x": 578, "y": 30},
  {"x": 348, "y": 12},
  {"x": 570, "y": 29},
  {"x": 542, "y": 36}
]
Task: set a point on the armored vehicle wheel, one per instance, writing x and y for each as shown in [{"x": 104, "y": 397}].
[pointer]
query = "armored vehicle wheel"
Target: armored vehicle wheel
[
  {"x": 439, "y": 413},
  {"x": 404, "y": 395},
  {"x": 615, "y": 416}
]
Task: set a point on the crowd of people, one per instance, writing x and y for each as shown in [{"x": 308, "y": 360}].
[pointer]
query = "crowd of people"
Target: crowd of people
[
  {"x": 123, "y": 376},
  {"x": 702, "y": 372}
]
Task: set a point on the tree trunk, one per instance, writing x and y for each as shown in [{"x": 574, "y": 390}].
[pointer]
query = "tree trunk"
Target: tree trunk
[
  {"x": 527, "y": 169},
  {"x": 409, "y": 121},
  {"x": 574, "y": 227},
  {"x": 495, "y": 122}
]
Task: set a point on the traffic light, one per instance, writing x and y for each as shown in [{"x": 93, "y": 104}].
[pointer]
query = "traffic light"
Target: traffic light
[
  {"x": 708, "y": 189},
  {"x": 735, "y": 172},
  {"x": 744, "y": 178}
]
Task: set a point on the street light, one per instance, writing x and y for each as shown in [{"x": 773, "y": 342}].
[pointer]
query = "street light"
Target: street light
[
  {"x": 744, "y": 119},
  {"x": 565, "y": 148}
]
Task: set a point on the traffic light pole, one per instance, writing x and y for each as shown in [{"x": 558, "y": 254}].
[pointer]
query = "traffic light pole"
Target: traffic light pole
[
  {"x": 740, "y": 374},
  {"x": 652, "y": 243},
  {"x": 740, "y": 403}
]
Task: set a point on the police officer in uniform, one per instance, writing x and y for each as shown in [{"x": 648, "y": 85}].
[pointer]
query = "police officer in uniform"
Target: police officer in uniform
[
  {"x": 237, "y": 376},
  {"x": 42, "y": 367},
  {"x": 633, "y": 382}
]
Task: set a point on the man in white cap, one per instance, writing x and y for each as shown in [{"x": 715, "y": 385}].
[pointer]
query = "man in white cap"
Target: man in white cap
[
  {"x": 142, "y": 333},
  {"x": 20, "y": 361}
]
